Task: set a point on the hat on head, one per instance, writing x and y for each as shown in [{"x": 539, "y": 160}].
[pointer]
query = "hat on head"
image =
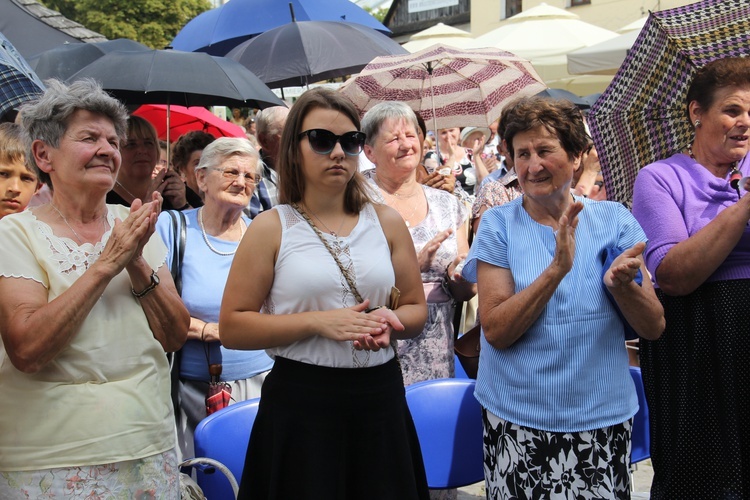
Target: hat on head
[{"x": 467, "y": 131}]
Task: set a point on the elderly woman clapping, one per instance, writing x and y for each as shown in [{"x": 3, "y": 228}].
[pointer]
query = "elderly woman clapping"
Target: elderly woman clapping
[
  {"x": 553, "y": 371},
  {"x": 227, "y": 174},
  {"x": 87, "y": 311}
]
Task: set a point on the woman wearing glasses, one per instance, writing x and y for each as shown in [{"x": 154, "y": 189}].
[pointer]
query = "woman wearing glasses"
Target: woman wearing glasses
[
  {"x": 228, "y": 171},
  {"x": 309, "y": 284}
]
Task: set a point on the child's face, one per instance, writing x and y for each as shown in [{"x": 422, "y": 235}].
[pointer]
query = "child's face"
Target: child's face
[{"x": 17, "y": 186}]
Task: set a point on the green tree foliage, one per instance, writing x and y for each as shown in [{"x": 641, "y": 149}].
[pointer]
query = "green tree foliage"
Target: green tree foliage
[
  {"x": 378, "y": 14},
  {"x": 151, "y": 22}
]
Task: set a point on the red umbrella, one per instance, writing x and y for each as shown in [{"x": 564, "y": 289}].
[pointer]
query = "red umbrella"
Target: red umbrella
[{"x": 182, "y": 120}]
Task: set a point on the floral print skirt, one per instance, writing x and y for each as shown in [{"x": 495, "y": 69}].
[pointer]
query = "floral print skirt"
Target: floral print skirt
[
  {"x": 525, "y": 463},
  {"x": 155, "y": 477}
]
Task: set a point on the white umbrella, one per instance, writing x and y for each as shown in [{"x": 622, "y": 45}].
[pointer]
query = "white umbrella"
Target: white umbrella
[
  {"x": 544, "y": 35},
  {"x": 440, "y": 33}
]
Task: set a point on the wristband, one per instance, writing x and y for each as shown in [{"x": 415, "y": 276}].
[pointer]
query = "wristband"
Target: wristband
[{"x": 149, "y": 288}]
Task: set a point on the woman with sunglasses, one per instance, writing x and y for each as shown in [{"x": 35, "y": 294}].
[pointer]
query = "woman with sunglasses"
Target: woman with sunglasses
[
  {"x": 311, "y": 285},
  {"x": 227, "y": 174}
]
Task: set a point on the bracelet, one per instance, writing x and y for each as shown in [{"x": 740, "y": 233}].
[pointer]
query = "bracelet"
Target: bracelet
[
  {"x": 203, "y": 331},
  {"x": 149, "y": 288}
]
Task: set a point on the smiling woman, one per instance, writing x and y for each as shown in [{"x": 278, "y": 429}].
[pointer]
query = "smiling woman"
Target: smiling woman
[
  {"x": 548, "y": 327},
  {"x": 87, "y": 311}
]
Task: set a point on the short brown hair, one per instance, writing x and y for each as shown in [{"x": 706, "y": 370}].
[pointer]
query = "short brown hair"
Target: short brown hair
[
  {"x": 560, "y": 117},
  {"x": 291, "y": 180},
  {"x": 12, "y": 149},
  {"x": 187, "y": 144},
  {"x": 725, "y": 72}
]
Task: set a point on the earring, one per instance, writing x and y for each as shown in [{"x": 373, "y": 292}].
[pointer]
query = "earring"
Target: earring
[{"x": 697, "y": 123}]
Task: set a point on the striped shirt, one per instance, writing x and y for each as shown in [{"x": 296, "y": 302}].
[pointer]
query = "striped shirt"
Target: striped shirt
[{"x": 569, "y": 371}]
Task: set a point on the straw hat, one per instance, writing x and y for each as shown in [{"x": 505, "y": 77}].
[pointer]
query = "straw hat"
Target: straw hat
[{"x": 467, "y": 131}]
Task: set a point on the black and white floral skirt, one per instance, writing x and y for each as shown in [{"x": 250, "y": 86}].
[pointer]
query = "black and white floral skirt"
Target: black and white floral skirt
[{"x": 524, "y": 463}]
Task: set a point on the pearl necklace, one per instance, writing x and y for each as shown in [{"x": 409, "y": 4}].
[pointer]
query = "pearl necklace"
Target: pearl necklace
[
  {"x": 208, "y": 243},
  {"x": 78, "y": 238}
]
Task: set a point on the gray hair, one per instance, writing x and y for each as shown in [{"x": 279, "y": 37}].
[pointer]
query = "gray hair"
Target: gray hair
[
  {"x": 267, "y": 119},
  {"x": 374, "y": 118},
  {"x": 225, "y": 147},
  {"x": 46, "y": 119}
]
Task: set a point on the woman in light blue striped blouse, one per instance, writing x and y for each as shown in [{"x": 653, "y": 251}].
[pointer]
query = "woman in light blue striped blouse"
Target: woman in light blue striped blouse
[{"x": 553, "y": 374}]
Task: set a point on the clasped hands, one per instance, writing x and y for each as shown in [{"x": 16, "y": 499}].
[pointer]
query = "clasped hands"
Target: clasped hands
[{"x": 368, "y": 331}]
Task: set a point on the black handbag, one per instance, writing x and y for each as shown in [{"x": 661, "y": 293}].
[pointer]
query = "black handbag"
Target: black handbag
[{"x": 467, "y": 348}]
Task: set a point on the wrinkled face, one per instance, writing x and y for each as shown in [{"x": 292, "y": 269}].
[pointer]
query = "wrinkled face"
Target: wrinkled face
[
  {"x": 544, "y": 168},
  {"x": 17, "y": 186},
  {"x": 334, "y": 169},
  {"x": 397, "y": 147},
  {"x": 231, "y": 184},
  {"x": 724, "y": 129},
  {"x": 88, "y": 155},
  {"x": 139, "y": 156}
]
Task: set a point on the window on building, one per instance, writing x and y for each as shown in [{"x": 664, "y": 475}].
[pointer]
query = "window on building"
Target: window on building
[{"x": 511, "y": 8}]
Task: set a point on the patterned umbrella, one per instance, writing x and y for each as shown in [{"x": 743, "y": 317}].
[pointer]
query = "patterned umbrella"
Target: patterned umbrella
[
  {"x": 18, "y": 83},
  {"x": 641, "y": 117},
  {"x": 448, "y": 87}
]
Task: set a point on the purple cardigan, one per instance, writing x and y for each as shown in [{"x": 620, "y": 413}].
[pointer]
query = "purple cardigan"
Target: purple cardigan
[{"x": 675, "y": 198}]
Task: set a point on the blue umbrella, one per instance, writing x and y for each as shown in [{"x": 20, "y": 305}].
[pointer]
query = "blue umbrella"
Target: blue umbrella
[
  {"x": 219, "y": 30},
  {"x": 18, "y": 83}
]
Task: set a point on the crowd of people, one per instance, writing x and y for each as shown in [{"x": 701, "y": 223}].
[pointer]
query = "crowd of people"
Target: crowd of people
[{"x": 125, "y": 267}]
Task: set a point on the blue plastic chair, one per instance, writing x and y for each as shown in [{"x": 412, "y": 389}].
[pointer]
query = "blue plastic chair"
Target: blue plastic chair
[
  {"x": 449, "y": 424},
  {"x": 640, "y": 439},
  {"x": 223, "y": 436}
]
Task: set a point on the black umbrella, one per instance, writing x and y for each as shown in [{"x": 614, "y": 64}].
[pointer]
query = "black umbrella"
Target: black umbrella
[
  {"x": 64, "y": 61},
  {"x": 304, "y": 52},
  {"x": 176, "y": 77}
]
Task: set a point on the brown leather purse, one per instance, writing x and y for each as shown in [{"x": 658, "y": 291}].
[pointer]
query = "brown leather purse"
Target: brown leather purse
[{"x": 467, "y": 348}]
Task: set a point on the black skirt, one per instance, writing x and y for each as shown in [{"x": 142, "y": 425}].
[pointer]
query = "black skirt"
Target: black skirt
[
  {"x": 697, "y": 382},
  {"x": 333, "y": 433}
]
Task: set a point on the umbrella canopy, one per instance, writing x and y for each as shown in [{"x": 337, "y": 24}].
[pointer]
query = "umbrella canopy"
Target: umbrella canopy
[
  {"x": 64, "y": 61},
  {"x": 183, "y": 120},
  {"x": 641, "y": 116},
  {"x": 18, "y": 83},
  {"x": 176, "y": 77},
  {"x": 545, "y": 35},
  {"x": 602, "y": 58},
  {"x": 220, "y": 30},
  {"x": 440, "y": 33},
  {"x": 304, "y": 52},
  {"x": 448, "y": 87}
]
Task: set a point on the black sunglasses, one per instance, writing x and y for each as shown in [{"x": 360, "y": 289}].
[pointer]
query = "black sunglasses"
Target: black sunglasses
[{"x": 323, "y": 141}]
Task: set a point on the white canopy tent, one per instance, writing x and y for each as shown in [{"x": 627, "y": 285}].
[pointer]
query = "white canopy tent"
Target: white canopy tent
[
  {"x": 440, "y": 33},
  {"x": 545, "y": 35},
  {"x": 605, "y": 58}
]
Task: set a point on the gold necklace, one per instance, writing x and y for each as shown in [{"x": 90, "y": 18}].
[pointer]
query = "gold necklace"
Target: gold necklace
[
  {"x": 78, "y": 238},
  {"x": 335, "y": 234},
  {"x": 393, "y": 206}
]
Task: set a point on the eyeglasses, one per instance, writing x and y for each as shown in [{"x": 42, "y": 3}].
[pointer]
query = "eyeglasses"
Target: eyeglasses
[
  {"x": 323, "y": 141},
  {"x": 233, "y": 174}
]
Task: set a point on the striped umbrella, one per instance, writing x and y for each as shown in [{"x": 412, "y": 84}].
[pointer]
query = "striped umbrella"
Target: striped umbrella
[
  {"x": 448, "y": 87},
  {"x": 641, "y": 117},
  {"x": 18, "y": 83}
]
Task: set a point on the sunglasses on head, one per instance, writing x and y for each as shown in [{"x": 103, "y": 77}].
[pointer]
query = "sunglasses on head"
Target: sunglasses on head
[{"x": 323, "y": 141}]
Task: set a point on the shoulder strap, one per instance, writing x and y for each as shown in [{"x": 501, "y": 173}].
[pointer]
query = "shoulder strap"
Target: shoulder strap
[
  {"x": 179, "y": 232},
  {"x": 345, "y": 272}
]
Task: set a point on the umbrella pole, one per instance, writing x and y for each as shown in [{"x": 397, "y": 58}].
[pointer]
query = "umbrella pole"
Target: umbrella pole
[
  {"x": 434, "y": 117},
  {"x": 169, "y": 145}
]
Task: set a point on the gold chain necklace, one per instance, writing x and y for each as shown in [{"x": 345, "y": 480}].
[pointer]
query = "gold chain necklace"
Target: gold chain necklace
[
  {"x": 65, "y": 220},
  {"x": 335, "y": 234}
]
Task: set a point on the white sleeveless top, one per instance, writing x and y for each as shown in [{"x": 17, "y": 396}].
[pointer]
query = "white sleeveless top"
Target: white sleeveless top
[{"x": 308, "y": 279}]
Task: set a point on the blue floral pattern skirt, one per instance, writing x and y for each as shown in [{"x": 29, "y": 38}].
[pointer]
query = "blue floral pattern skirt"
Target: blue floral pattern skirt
[{"x": 524, "y": 463}]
